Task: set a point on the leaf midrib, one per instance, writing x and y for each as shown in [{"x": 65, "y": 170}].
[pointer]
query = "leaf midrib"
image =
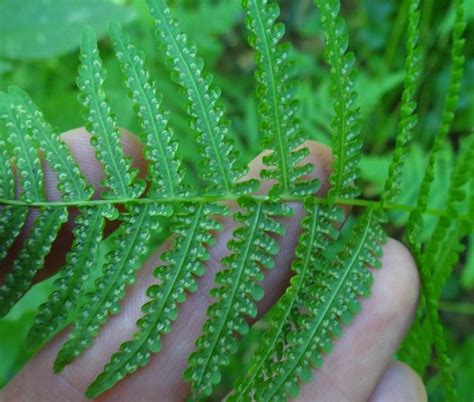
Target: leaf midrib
[
  {"x": 276, "y": 104},
  {"x": 223, "y": 174},
  {"x": 223, "y": 318}
]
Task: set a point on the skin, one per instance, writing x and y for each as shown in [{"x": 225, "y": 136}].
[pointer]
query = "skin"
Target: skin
[{"x": 360, "y": 368}]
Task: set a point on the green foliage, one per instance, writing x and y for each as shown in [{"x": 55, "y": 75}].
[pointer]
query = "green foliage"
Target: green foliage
[
  {"x": 33, "y": 29},
  {"x": 195, "y": 178}
]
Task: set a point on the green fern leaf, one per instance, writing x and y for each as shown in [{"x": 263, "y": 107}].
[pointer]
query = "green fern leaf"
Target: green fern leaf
[
  {"x": 80, "y": 261},
  {"x": 281, "y": 129},
  {"x": 334, "y": 303},
  {"x": 26, "y": 156},
  {"x": 120, "y": 179},
  {"x": 452, "y": 97},
  {"x": 347, "y": 142},
  {"x": 12, "y": 218},
  {"x": 450, "y": 228},
  {"x": 164, "y": 172},
  {"x": 182, "y": 264},
  {"x": 71, "y": 184},
  {"x": 47, "y": 223},
  {"x": 318, "y": 230},
  {"x": 128, "y": 247},
  {"x": 217, "y": 150},
  {"x": 31, "y": 257},
  {"x": 236, "y": 292}
]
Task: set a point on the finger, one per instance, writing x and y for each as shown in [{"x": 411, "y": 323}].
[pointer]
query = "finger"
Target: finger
[
  {"x": 164, "y": 375},
  {"x": 78, "y": 142},
  {"x": 399, "y": 383},
  {"x": 358, "y": 361}
]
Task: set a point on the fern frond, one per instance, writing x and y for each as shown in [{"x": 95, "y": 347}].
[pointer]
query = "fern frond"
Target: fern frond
[
  {"x": 71, "y": 184},
  {"x": 27, "y": 161},
  {"x": 31, "y": 257},
  {"x": 177, "y": 277},
  {"x": 129, "y": 246},
  {"x": 439, "y": 256},
  {"x": 347, "y": 142},
  {"x": 408, "y": 117},
  {"x": 121, "y": 180},
  {"x": 450, "y": 228},
  {"x": 237, "y": 290},
  {"x": 334, "y": 303},
  {"x": 318, "y": 230},
  {"x": 217, "y": 149},
  {"x": 452, "y": 97},
  {"x": 282, "y": 131},
  {"x": 80, "y": 260},
  {"x": 49, "y": 220},
  {"x": 164, "y": 170},
  {"x": 12, "y": 218},
  {"x": 437, "y": 331}
]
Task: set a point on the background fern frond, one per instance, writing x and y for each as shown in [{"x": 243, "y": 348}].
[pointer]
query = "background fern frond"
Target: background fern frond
[
  {"x": 439, "y": 256},
  {"x": 451, "y": 101},
  {"x": 450, "y": 224},
  {"x": 217, "y": 149},
  {"x": 281, "y": 130},
  {"x": 408, "y": 117},
  {"x": 347, "y": 142}
]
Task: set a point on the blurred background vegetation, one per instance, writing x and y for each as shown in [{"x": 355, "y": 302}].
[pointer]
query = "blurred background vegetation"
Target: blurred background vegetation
[{"x": 39, "y": 52}]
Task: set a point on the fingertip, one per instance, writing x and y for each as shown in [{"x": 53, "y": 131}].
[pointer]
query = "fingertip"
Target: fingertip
[
  {"x": 320, "y": 156},
  {"x": 400, "y": 283},
  {"x": 400, "y": 383}
]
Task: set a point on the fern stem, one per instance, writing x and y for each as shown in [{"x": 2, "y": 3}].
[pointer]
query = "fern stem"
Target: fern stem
[
  {"x": 456, "y": 308},
  {"x": 353, "y": 202}
]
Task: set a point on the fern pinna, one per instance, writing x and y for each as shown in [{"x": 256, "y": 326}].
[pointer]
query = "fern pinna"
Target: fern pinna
[{"x": 333, "y": 262}]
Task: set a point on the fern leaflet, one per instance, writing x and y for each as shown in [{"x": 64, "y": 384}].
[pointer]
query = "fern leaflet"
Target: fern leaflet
[
  {"x": 281, "y": 130},
  {"x": 236, "y": 292},
  {"x": 346, "y": 126},
  {"x": 204, "y": 105}
]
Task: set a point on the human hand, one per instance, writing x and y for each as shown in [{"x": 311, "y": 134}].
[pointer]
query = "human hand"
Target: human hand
[{"x": 360, "y": 368}]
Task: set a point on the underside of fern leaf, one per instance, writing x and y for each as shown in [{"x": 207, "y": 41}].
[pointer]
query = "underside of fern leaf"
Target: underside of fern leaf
[{"x": 334, "y": 258}]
